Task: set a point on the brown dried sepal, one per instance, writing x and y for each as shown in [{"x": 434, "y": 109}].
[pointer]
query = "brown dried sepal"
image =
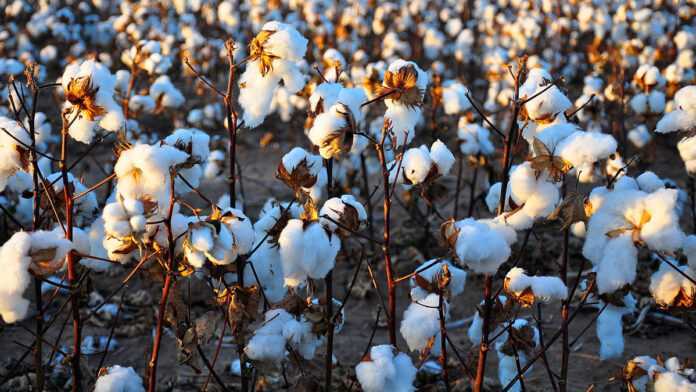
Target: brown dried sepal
[
  {"x": 634, "y": 229},
  {"x": 402, "y": 86},
  {"x": 574, "y": 208},
  {"x": 525, "y": 298},
  {"x": 81, "y": 94},
  {"x": 258, "y": 52},
  {"x": 519, "y": 340},
  {"x": 243, "y": 303},
  {"x": 43, "y": 261},
  {"x": 545, "y": 161},
  {"x": 449, "y": 233},
  {"x": 300, "y": 177}
]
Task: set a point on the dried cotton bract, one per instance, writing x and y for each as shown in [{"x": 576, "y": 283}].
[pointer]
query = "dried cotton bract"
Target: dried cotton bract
[
  {"x": 334, "y": 129},
  {"x": 386, "y": 370},
  {"x": 275, "y": 54},
  {"x": 520, "y": 340},
  {"x": 89, "y": 95}
]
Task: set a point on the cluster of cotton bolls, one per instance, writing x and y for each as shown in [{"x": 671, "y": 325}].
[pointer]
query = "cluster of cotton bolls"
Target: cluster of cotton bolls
[
  {"x": 683, "y": 118},
  {"x": 644, "y": 372}
]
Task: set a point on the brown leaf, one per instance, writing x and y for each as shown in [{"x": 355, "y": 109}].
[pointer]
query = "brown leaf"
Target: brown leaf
[
  {"x": 572, "y": 209},
  {"x": 403, "y": 87},
  {"x": 258, "y": 52}
]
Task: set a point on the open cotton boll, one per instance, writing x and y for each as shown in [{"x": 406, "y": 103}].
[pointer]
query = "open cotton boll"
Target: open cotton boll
[
  {"x": 586, "y": 148},
  {"x": 543, "y": 287},
  {"x": 268, "y": 342},
  {"x": 96, "y": 235},
  {"x": 119, "y": 379},
  {"x": 639, "y": 136},
  {"x": 345, "y": 210},
  {"x": 15, "y": 279},
  {"x": 386, "y": 370},
  {"x": 683, "y": 117},
  {"x": 662, "y": 232},
  {"x": 403, "y": 109},
  {"x": 276, "y": 53},
  {"x": 442, "y": 157},
  {"x": 666, "y": 283},
  {"x": 421, "y": 322},
  {"x": 482, "y": 247},
  {"x": 431, "y": 271},
  {"x": 617, "y": 267},
  {"x": 649, "y": 182},
  {"x": 474, "y": 139},
  {"x": 610, "y": 328},
  {"x": 415, "y": 165},
  {"x": 143, "y": 172},
  {"x": 454, "y": 98},
  {"x": 89, "y": 94},
  {"x": 673, "y": 382},
  {"x": 306, "y": 252},
  {"x": 13, "y": 155},
  {"x": 687, "y": 152},
  {"x": 163, "y": 92},
  {"x": 546, "y": 105}
]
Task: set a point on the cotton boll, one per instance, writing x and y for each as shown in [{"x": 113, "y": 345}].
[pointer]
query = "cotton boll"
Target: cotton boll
[
  {"x": 442, "y": 157},
  {"x": 386, "y": 371},
  {"x": 480, "y": 247},
  {"x": 543, "y": 287},
  {"x": 431, "y": 271},
  {"x": 90, "y": 81},
  {"x": 117, "y": 379},
  {"x": 670, "y": 381},
  {"x": 586, "y": 148},
  {"x": 454, "y": 98},
  {"x": 639, "y": 136},
  {"x": 404, "y": 115},
  {"x": 15, "y": 279},
  {"x": 662, "y": 232},
  {"x": 268, "y": 342},
  {"x": 334, "y": 210},
  {"x": 416, "y": 164},
  {"x": 421, "y": 322},
  {"x": 666, "y": 283}
]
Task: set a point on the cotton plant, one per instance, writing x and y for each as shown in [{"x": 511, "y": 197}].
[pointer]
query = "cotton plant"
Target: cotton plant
[
  {"x": 682, "y": 118},
  {"x": 165, "y": 94},
  {"x": 514, "y": 348},
  {"x": 275, "y": 54},
  {"x": 39, "y": 253},
  {"x": 386, "y": 369},
  {"x": 117, "y": 378},
  {"x": 545, "y": 103},
  {"x": 88, "y": 87},
  {"x": 304, "y": 173},
  {"x": 644, "y": 373}
]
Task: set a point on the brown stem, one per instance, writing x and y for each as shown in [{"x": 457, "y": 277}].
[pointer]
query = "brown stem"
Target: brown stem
[
  {"x": 328, "y": 281},
  {"x": 472, "y": 194},
  {"x": 483, "y": 347},
  {"x": 565, "y": 354},
  {"x": 70, "y": 258},
  {"x": 164, "y": 299},
  {"x": 443, "y": 342},
  {"x": 391, "y": 288},
  {"x": 368, "y": 199}
]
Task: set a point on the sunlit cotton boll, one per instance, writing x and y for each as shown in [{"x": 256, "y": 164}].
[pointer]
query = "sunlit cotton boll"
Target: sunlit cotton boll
[
  {"x": 89, "y": 94},
  {"x": 483, "y": 245},
  {"x": 386, "y": 370},
  {"x": 276, "y": 53},
  {"x": 119, "y": 379}
]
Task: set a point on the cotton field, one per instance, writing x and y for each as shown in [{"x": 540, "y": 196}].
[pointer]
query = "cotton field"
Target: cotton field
[{"x": 359, "y": 195}]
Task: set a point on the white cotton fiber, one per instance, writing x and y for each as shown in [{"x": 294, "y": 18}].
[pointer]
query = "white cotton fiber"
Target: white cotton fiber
[
  {"x": 421, "y": 322},
  {"x": 119, "y": 379},
  {"x": 481, "y": 247},
  {"x": 386, "y": 371}
]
